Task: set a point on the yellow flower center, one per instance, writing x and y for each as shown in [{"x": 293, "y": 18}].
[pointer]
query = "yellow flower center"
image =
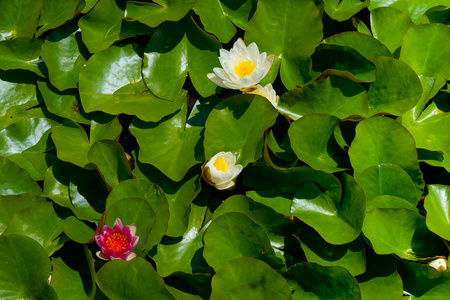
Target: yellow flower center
[
  {"x": 117, "y": 242},
  {"x": 244, "y": 68},
  {"x": 220, "y": 164}
]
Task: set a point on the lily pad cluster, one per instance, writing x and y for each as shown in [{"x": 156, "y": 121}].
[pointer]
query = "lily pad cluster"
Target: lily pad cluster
[{"x": 108, "y": 119}]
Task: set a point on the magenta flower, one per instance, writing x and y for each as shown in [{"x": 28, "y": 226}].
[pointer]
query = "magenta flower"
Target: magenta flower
[{"x": 117, "y": 243}]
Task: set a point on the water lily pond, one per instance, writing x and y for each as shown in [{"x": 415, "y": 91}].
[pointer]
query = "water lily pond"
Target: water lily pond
[{"x": 224, "y": 149}]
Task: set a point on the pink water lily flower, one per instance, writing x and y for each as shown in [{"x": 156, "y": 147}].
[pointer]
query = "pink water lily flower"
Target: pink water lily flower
[{"x": 117, "y": 243}]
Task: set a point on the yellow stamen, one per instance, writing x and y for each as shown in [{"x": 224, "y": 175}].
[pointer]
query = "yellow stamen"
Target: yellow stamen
[
  {"x": 244, "y": 68},
  {"x": 117, "y": 242},
  {"x": 220, "y": 164}
]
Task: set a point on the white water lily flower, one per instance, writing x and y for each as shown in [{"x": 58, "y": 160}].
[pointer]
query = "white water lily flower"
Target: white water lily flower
[
  {"x": 439, "y": 264},
  {"x": 221, "y": 170},
  {"x": 268, "y": 92},
  {"x": 242, "y": 66}
]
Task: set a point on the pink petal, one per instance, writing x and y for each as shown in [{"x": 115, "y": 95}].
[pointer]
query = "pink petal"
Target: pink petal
[
  {"x": 102, "y": 256},
  {"x": 118, "y": 224}
]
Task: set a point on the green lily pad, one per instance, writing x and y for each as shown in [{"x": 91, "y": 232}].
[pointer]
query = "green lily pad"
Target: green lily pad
[
  {"x": 319, "y": 282},
  {"x": 134, "y": 211},
  {"x": 56, "y": 183},
  {"x": 78, "y": 231},
  {"x": 386, "y": 201},
  {"x": 32, "y": 223},
  {"x": 423, "y": 51},
  {"x": 73, "y": 275},
  {"x": 350, "y": 256},
  {"x": 26, "y": 135},
  {"x": 277, "y": 226},
  {"x": 64, "y": 104},
  {"x": 343, "y": 61},
  {"x": 120, "y": 279},
  {"x": 14, "y": 282},
  {"x": 422, "y": 281},
  {"x": 171, "y": 145},
  {"x": 110, "y": 160},
  {"x": 402, "y": 232},
  {"x": 387, "y": 179},
  {"x": 290, "y": 30},
  {"x": 17, "y": 91},
  {"x": 153, "y": 14},
  {"x": 55, "y": 13},
  {"x": 175, "y": 50},
  {"x": 255, "y": 289},
  {"x": 313, "y": 142},
  {"x": 429, "y": 130},
  {"x": 112, "y": 82},
  {"x": 381, "y": 272},
  {"x": 72, "y": 144},
  {"x": 245, "y": 270},
  {"x": 415, "y": 9},
  {"x": 234, "y": 235},
  {"x": 101, "y": 26},
  {"x": 64, "y": 55},
  {"x": 88, "y": 194},
  {"x": 179, "y": 194},
  {"x": 344, "y": 9},
  {"x": 19, "y": 19},
  {"x": 14, "y": 180},
  {"x": 262, "y": 176},
  {"x": 337, "y": 221},
  {"x": 389, "y": 25},
  {"x": 237, "y": 125},
  {"x": 21, "y": 53},
  {"x": 437, "y": 205},
  {"x": 396, "y": 90},
  {"x": 104, "y": 127},
  {"x": 279, "y": 203},
  {"x": 437, "y": 14},
  {"x": 183, "y": 254},
  {"x": 363, "y": 43},
  {"x": 219, "y": 16},
  {"x": 381, "y": 140},
  {"x": 335, "y": 96},
  {"x": 360, "y": 26},
  {"x": 153, "y": 195},
  {"x": 13, "y": 203}
]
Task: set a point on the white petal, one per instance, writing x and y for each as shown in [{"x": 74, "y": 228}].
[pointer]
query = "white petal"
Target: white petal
[
  {"x": 225, "y": 185},
  {"x": 268, "y": 64},
  {"x": 253, "y": 51},
  {"x": 239, "y": 45},
  {"x": 236, "y": 170},
  {"x": 131, "y": 256},
  {"x": 231, "y": 85},
  {"x": 216, "y": 79}
]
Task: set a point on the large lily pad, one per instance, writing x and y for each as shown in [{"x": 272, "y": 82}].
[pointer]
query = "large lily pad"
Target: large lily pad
[
  {"x": 17, "y": 91},
  {"x": 291, "y": 30},
  {"x": 32, "y": 223},
  {"x": 313, "y": 142},
  {"x": 14, "y": 180},
  {"x": 401, "y": 231},
  {"x": 396, "y": 90},
  {"x": 244, "y": 270},
  {"x": 423, "y": 51},
  {"x": 15, "y": 283},
  {"x": 19, "y": 18},
  {"x": 383, "y": 140},
  {"x": 387, "y": 179},
  {"x": 21, "y": 53},
  {"x": 64, "y": 55},
  {"x": 55, "y": 13},
  {"x": 389, "y": 25},
  {"x": 120, "y": 279},
  {"x": 237, "y": 124},
  {"x": 344, "y": 9},
  {"x": 437, "y": 204},
  {"x": 101, "y": 26},
  {"x": 234, "y": 235},
  {"x": 335, "y": 96},
  {"x": 337, "y": 221},
  {"x": 363, "y": 43},
  {"x": 175, "y": 50},
  {"x": 319, "y": 282},
  {"x": 156, "y": 12}
]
